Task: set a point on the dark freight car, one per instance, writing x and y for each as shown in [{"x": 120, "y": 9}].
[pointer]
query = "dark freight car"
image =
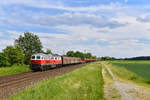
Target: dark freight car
[{"x": 70, "y": 60}]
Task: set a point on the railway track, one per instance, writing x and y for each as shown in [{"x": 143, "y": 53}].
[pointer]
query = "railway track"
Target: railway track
[{"x": 11, "y": 85}]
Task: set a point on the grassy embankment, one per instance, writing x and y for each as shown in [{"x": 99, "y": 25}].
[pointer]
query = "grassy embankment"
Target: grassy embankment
[
  {"x": 85, "y": 83},
  {"x": 15, "y": 69},
  {"x": 133, "y": 71}
]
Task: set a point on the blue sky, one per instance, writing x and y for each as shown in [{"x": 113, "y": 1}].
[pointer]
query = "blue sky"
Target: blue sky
[{"x": 119, "y": 28}]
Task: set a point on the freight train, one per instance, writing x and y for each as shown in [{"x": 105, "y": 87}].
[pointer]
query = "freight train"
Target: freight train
[{"x": 43, "y": 62}]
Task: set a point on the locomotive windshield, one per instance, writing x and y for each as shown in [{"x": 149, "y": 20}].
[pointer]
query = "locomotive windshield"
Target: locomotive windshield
[
  {"x": 33, "y": 57},
  {"x": 38, "y": 57}
]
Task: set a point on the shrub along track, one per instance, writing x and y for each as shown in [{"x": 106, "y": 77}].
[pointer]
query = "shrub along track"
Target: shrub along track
[{"x": 10, "y": 85}]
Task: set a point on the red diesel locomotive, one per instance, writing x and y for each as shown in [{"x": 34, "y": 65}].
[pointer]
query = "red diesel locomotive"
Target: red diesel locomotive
[{"x": 43, "y": 62}]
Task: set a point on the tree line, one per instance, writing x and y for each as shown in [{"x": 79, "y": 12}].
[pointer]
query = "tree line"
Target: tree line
[
  {"x": 80, "y": 54},
  {"x": 130, "y": 58},
  {"x": 107, "y": 58},
  {"x": 136, "y": 58}
]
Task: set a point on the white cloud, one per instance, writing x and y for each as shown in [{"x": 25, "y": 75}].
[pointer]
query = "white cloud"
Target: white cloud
[
  {"x": 74, "y": 19},
  {"x": 144, "y": 19},
  {"x": 126, "y": 1},
  {"x": 59, "y": 5}
]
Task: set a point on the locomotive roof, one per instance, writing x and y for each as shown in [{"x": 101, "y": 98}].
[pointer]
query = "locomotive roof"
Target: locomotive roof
[{"x": 43, "y": 54}]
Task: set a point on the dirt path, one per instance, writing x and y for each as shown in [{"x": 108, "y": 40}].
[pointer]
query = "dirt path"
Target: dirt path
[
  {"x": 110, "y": 91},
  {"x": 126, "y": 90}
]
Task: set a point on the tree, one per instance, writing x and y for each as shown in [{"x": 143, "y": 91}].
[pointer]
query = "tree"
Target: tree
[
  {"x": 108, "y": 58},
  {"x": 70, "y": 54},
  {"x": 94, "y": 57},
  {"x": 48, "y": 51},
  {"x": 30, "y": 44},
  {"x": 3, "y": 60},
  {"x": 79, "y": 54},
  {"x": 88, "y": 55},
  {"x": 13, "y": 55}
]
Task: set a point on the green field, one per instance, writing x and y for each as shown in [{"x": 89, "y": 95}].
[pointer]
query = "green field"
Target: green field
[
  {"x": 138, "y": 71},
  {"x": 15, "y": 69},
  {"x": 85, "y": 83},
  {"x": 142, "y": 68}
]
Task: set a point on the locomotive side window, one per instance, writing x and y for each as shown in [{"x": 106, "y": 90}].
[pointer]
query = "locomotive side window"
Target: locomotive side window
[
  {"x": 33, "y": 57},
  {"x": 42, "y": 58}
]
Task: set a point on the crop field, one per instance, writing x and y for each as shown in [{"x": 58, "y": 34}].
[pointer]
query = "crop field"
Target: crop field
[
  {"x": 141, "y": 68},
  {"x": 15, "y": 69},
  {"x": 85, "y": 83},
  {"x": 137, "y": 71}
]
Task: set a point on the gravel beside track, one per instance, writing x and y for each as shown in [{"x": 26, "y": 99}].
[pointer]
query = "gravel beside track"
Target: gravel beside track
[{"x": 10, "y": 85}]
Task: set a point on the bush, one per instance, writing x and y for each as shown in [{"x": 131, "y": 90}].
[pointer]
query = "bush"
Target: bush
[
  {"x": 4, "y": 60},
  {"x": 15, "y": 69},
  {"x": 11, "y": 55}
]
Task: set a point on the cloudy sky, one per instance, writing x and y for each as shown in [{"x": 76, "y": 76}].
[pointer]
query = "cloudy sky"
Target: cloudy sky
[{"x": 119, "y": 28}]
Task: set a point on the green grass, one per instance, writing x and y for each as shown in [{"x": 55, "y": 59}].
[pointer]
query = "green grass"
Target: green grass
[
  {"x": 137, "y": 71},
  {"x": 85, "y": 83},
  {"x": 15, "y": 69}
]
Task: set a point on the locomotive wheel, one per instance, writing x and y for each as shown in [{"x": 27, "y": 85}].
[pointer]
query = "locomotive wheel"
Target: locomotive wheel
[
  {"x": 53, "y": 66},
  {"x": 42, "y": 69}
]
